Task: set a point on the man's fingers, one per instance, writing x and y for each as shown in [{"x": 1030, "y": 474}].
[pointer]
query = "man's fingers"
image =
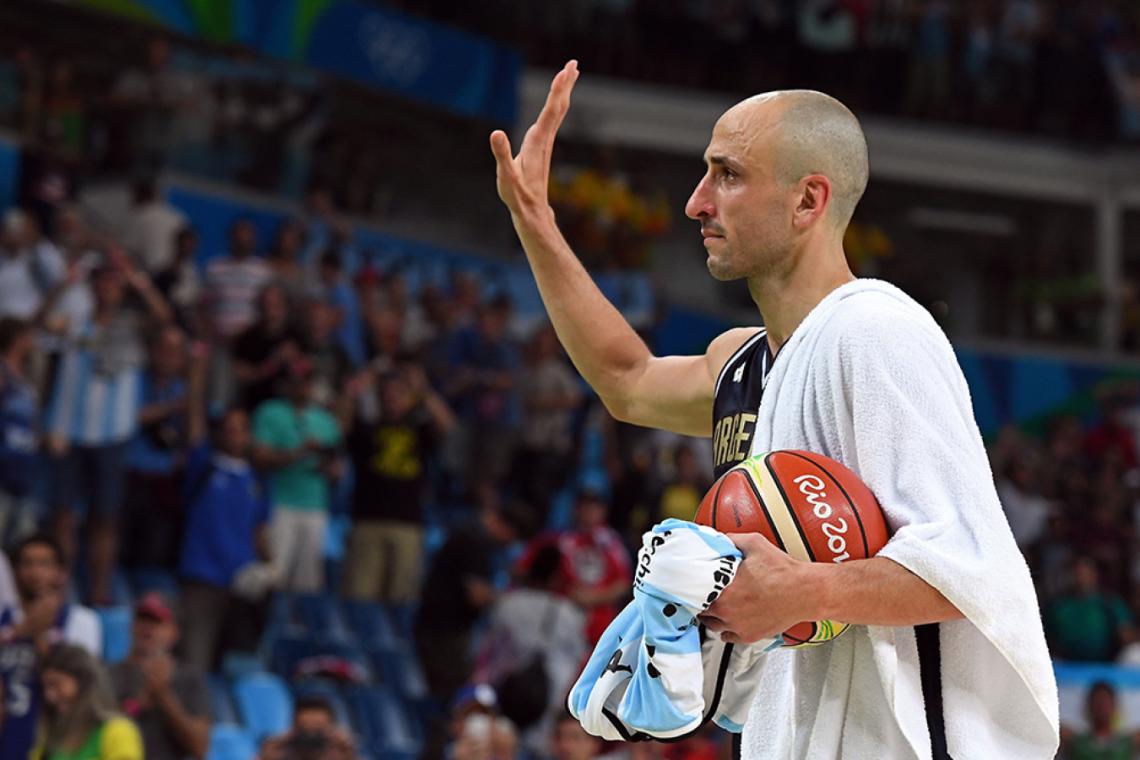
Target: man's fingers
[
  {"x": 501, "y": 147},
  {"x": 749, "y": 543},
  {"x": 557, "y": 102}
]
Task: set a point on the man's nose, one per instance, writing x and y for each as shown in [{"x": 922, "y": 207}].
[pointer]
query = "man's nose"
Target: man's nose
[{"x": 700, "y": 204}]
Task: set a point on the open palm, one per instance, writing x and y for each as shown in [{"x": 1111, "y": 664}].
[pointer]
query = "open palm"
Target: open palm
[{"x": 523, "y": 180}]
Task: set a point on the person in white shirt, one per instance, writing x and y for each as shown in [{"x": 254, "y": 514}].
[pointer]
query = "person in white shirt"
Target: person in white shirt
[
  {"x": 41, "y": 610},
  {"x": 151, "y": 227}
]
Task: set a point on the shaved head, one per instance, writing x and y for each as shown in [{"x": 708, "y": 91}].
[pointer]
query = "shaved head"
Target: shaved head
[{"x": 809, "y": 133}]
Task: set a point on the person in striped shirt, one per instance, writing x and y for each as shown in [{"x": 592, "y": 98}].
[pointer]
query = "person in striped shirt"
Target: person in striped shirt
[
  {"x": 94, "y": 412},
  {"x": 233, "y": 282}
]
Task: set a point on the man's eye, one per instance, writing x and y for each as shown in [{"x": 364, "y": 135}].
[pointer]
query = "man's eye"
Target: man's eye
[{"x": 727, "y": 174}]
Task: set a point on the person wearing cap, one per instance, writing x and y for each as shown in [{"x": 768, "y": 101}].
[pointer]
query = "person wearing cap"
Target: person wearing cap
[
  {"x": 167, "y": 700},
  {"x": 596, "y": 570},
  {"x": 297, "y": 443}
]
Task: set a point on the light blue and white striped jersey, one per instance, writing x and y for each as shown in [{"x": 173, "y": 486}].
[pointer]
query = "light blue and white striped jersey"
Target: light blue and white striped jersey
[{"x": 98, "y": 385}]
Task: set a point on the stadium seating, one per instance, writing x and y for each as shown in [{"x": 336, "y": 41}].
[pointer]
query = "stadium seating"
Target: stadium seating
[
  {"x": 387, "y": 731},
  {"x": 116, "y": 623},
  {"x": 221, "y": 703},
  {"x": 264, "y": 704},
  {"x": 230, "y": 742}
]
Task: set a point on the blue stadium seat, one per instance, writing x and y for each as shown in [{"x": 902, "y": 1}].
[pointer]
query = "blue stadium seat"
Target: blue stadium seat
[
  {"x": 387, "y": 730},
  {"x": 237, "y": 664},
  {"x": 321, "y": 617},
  {"x": 399, "y": 667},
  {"x": 221, "y": 703},
  {"x": 116, "y": 633},
  {"x": 230, "y": 742},
  {"x": 371, "y": 624},
  {"x": 287, "y": 650},
  {"x": 146, "y": 579},
  {"x": 264, "y": 703}
]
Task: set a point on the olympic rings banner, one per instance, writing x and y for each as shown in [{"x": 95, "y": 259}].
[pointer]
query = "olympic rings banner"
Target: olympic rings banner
[{"x": 362, "y": 41}]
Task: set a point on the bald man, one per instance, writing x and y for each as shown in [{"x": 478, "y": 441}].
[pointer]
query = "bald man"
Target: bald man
[{"x": 785, "y": 171}]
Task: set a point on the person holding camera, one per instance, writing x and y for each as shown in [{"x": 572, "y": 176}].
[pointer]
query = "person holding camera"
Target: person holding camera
[
  {"x": 297, "y": 442},
  {"x": 314, "y": 735}
]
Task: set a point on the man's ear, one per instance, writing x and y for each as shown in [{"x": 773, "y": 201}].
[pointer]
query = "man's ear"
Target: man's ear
[{"x": 814, "y": 199}]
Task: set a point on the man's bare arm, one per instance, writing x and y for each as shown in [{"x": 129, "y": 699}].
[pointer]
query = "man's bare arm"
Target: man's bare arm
[
  {"x": 672, "y": 393},
  {"x": 772, "y": 592}
]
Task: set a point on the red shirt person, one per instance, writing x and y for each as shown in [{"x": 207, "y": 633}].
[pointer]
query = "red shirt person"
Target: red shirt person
[{"x": 596, "y": 570}]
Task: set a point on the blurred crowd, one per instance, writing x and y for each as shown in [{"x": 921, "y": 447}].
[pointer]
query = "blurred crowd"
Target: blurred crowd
[
  {"x": 210, "y": 423},
  {"x": 1070, "y": 69}
]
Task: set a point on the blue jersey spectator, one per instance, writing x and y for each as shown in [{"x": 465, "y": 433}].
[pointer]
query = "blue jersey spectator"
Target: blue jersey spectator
[
  {"x": 154, "y": 505},
  {"x": 223, "y": 578},
  {"x": 28, "y": 630},
  {"x": 19, "y": 421}
]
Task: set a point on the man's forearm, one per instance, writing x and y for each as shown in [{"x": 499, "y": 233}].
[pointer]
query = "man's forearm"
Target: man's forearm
[
  {"x": 191, "y": 732},
  {"x": 875, "y": 591},
  {"x": 599, "y": 341}
]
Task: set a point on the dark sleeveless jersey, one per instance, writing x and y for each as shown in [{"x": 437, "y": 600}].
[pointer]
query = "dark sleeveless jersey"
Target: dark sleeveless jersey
[{"x": 738, "y": 389}]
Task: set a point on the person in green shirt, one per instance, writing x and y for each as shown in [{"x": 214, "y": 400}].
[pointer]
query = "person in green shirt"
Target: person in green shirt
[
  {"x": 1102, "y": 741},
  {"x": 79, "y": 721},
  {"x": 1087, "y": 624},
  {"x": 297, "y": 443}
]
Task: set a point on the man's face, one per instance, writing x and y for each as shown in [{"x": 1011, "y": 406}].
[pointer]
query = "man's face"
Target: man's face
[
  {"x": 313, "y": 722},
  {"x": 235, "y": 438},
  {"x": 590, "y": 513},
  {"x": 169, "y": 355},
  {"x": 151, "y": 637},
  {"x": 110, "y": 288},
  {"x": 244, "y": 239},
  {"x": 744, "y": 210},
  {"x": 38, "y": 572}
]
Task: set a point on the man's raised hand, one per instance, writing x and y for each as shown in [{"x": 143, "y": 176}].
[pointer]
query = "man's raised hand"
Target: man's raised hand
[{"x": 523, "y": 180}]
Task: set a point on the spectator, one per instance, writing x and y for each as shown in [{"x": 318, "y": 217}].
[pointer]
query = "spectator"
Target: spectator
[
  {"x": 1112, "y": 440},
  {"x": 284, "y": 259},
  {"x": 155, "y": 510},
  {"x": 94, "y": 410},
  {"x": 1019, "y": 489},
  {"x": 475, "y": 730},
  {"x": 19, "y": 436},
  {"x": 233, "y": 283},
  {"x": 596, "y": 572},
  {"x": 1087, "y": 624},
  {"x": 179, "y": 282},
  {"x": 297, "y": 443},
  {"x": 314, "y": 735},
  {"x": 28, "y": 629},
  {"x": 1102, "y": 741},
  {"x": 417, "y": 329},
  {"x": 151, "y": 228},
  {"x": 69, "y": 305},
  {"x": 682, "y": 494},
  {"x": 226, "y": 534},
  {"x": 8, "y": 596},
  {"x": 28, "y": 271},
  {"x": 458, "y": 589},
  {"x": 149, "y": 99},
  {"x": 528, "y": 622},
  {"x": 482, "y": 388},
  {"x": 331, "y": 363},
  {"x": 569, "y": 741},
  {"x": 168, "y": 701},
  {"x": 263, "y": 351},
  {"x": 79, "y": 719},
  {"x": 390, "y": 459},
  {"x": 339, "y": 294},
  {"x": 550, "y": 393}
]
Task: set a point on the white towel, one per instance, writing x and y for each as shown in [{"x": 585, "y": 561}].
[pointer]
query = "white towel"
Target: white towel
[
  {"x": 653, "y": 674},
  {"x": 869, "y": 379}
]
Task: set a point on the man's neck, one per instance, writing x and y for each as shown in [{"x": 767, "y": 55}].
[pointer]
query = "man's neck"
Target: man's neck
[{"x": 786, "y": 296}]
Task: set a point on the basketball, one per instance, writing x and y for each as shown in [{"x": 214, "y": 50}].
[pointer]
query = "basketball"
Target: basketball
[{"x": 809, "y": 505}]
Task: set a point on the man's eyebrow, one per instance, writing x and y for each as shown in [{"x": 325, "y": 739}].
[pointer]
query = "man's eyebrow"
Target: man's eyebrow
[{"x": 724, "y": 161}]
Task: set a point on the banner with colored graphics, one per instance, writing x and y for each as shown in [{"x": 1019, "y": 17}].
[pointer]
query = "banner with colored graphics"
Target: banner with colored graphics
[{"x": 362, "y": 41}]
